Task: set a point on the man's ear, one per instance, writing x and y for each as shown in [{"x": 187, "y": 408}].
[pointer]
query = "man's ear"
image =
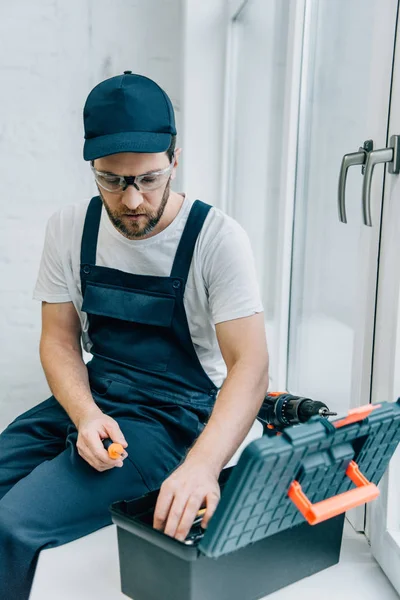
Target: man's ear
[{"x": 177, "y": 154}]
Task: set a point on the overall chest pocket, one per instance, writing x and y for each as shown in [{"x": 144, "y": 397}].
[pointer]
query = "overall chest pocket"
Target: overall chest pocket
[{"x": 130, "y": 326}]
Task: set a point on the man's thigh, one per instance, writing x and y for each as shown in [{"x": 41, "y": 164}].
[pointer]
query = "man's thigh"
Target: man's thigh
[
  {"x": 65, "y": 498},
  {"x": 37, "y": 435}
]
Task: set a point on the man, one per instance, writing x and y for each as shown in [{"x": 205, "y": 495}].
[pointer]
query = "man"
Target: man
[{"x": 162, "y": 291}]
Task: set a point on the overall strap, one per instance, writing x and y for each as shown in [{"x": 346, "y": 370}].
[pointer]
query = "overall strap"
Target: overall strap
[
  {"x": 91, "y": 232},
  {"x": 184, "y": 253}
]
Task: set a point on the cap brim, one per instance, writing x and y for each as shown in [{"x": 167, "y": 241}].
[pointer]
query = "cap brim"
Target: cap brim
[{"x": 127, "y": 141}]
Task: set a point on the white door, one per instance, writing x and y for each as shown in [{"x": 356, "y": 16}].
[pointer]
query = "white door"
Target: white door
[
  {"x": 346, "y": 50},
  {"x": 384, "y": 514},
  {"x": 264, "y": 57},
  {"x": 346, "y": 80}
]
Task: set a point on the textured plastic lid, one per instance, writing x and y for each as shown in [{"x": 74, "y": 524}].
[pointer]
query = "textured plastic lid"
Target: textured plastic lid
[{"x": 255, "y": 502}]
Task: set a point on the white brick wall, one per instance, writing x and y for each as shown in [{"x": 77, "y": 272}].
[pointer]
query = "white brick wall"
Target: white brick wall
[{"x": 52, "y": 53}]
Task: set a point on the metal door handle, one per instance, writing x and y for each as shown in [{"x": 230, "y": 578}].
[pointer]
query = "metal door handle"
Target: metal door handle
[
  {"x": 355, "y": 158},
  {"x": 389, "y": 155}
]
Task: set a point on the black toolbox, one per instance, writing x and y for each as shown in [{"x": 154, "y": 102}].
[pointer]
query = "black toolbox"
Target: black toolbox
[{"x": 280, "y": 517}]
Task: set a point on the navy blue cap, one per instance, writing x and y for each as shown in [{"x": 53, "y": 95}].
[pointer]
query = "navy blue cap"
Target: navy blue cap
[{"x": 127, "y": 113}]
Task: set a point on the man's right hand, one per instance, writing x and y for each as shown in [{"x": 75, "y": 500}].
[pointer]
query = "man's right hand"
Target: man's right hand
[{"x": 93, "y": 428}]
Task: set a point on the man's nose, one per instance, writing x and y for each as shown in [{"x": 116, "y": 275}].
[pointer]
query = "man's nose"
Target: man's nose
[{"x": 132, "y": 198}]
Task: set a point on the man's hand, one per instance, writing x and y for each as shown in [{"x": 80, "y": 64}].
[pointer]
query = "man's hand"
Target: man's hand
[
  {"x": 94, "y": 427},
  {"x": 190, "y": 487}
]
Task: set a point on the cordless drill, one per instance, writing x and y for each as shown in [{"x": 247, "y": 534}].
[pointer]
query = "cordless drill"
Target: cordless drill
[{"x": 281, "y": 409}]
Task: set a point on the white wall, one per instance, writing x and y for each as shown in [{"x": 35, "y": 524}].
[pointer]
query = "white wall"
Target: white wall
[
  {"x": 52, "y": 54},
  {"x": 205, "y": 30}
]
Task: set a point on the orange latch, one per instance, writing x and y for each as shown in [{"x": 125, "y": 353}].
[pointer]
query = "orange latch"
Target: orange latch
[{"x": 356, "y": 414}]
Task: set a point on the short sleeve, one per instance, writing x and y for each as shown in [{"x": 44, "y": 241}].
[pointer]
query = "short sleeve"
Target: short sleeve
[
  {"x": 230, "y": 275},
  {"x": 51, "y": 284}
]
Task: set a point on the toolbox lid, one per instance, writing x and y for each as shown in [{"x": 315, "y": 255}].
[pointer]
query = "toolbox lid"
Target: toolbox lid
[{"x": 311, "y": 472}]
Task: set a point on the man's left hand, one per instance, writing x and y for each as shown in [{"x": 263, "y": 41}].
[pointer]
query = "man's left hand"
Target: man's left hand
[{"x": 192, "y": 486}]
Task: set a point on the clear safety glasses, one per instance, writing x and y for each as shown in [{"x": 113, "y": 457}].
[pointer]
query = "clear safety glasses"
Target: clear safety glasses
[{"x": 143, "y": 183}]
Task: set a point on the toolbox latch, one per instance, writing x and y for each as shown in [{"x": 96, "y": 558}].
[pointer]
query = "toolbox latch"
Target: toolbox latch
[{"x": 356, "y": 414}]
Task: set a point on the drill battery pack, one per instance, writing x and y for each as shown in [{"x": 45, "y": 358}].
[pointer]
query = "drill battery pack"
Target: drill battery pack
[{"x": 280, "y": 517}]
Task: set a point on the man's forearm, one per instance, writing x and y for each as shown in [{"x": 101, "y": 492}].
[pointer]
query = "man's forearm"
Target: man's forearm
[
  {"x": 236, "y": 408},
  {"x": 67, "y": 376}
]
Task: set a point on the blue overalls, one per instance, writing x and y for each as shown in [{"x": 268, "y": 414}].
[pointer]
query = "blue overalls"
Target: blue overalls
[{"x": 145, "y": 374}]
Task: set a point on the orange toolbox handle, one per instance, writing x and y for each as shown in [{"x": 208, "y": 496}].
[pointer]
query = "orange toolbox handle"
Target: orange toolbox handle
[{"x": 331, "y": 507}]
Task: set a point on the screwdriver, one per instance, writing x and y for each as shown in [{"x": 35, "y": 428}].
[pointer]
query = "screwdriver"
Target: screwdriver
[{"x": 114, "y": 449}]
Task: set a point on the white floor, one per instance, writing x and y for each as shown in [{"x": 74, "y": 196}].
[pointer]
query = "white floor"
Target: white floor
[{"x": 88, "y": 569}]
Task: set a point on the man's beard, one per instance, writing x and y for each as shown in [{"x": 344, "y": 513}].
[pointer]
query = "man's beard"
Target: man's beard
[{"x": 133, "y": 230}]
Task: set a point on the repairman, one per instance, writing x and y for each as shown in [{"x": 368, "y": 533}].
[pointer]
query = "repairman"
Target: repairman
[{"x": 161, "y": 290}]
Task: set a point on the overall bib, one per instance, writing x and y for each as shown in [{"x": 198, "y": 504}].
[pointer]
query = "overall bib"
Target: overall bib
[{"x": 144, "y": 373}]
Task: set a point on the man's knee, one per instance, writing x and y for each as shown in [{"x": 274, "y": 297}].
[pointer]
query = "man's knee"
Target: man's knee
[
  {"x": 12, "y": 528},
  {"x": 21, "y": 527}
]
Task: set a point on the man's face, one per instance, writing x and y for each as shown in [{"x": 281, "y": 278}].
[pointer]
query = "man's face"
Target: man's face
[{"x": 133, "y": 213}]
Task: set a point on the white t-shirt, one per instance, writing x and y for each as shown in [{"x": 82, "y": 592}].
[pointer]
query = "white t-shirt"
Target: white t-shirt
[{"x": 222, "y": 283}]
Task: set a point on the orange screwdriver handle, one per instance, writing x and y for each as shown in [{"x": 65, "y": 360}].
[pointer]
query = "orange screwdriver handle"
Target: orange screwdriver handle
[
  {"x": 114, "y": 449},
  {"x": 326, "y": 509}
]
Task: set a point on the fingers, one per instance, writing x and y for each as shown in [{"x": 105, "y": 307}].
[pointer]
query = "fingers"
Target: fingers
[
  {"x": 212, "y": 500},
  {"x": 91, "y": 448},
  {"x": 181, "y": 496},
  {"x": 115, "y": 433},
  {"x": 163, "y": 505},
  {"x": 189, "y": 514},
  {"x": 97, "y": 462},
  {"x": 90, "y": 443},
  {"x": 175, "y": 516},
  {"x": 181, "y": 528},
  {"x": 174, "y": 513}
]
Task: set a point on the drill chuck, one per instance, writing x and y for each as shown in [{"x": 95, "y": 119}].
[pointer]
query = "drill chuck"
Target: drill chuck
[{"x": 280, "y": 410}]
